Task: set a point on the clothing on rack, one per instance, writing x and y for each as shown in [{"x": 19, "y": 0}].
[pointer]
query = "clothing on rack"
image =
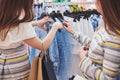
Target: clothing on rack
[
  {"x": 50, "y": 1},
  {"x": 95, "y": 20},
  {"x": 65, "y": 50},
  {"x": 62, "y": 47},
  {"x": 38, "y": 9},
  {"x": 77, "y": 14},
  {"x": 91, "y": 15},
  {"x": 61, "y": 0},
  {"x": 53, "y": 50},
  {"x": 60, "y": 53}
]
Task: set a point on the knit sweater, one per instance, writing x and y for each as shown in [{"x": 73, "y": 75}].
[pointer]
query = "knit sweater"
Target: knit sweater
[{"x": 103, "y": 61}]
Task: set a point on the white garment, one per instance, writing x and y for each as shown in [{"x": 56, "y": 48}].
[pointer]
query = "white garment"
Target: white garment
[
  {"x": 83, "y": 26},
  {"x": 15, "y": 36}
]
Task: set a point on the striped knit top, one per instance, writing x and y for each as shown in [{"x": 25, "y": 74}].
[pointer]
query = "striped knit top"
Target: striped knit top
[{"x": 103, "y": 61}]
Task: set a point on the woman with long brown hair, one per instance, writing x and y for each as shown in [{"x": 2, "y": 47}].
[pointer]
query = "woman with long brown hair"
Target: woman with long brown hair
[
  {"x": 102, "y": 60},
  {"x": 15, "y": 28}
]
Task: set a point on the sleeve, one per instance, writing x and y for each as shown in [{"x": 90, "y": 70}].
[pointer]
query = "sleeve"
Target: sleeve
[
  {"x": 110, "y": 67},
  {"x": 81, "y": 38},
  {"x": 24, "y": 31}
]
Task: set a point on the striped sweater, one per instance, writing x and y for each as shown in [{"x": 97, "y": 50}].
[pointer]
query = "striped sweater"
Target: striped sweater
[{"x": 103, "y": 61}]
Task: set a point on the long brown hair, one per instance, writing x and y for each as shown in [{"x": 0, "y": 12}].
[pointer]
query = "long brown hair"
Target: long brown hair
[
  {"x": 111, "y": 15},
  {"x": 10, "y": 11}
]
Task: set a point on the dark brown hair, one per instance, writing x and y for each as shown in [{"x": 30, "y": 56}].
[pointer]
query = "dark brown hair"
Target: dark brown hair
[
  {"x": 10, "y": 11},
  {"x": 111, "y": 15}
]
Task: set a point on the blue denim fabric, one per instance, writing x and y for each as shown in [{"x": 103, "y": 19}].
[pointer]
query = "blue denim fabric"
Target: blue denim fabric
[
  {"x": 34, "y": 52},
  {"x": 118, "y": 77},
  {"x": 65, "y": 47},
  {"x": 54, "y": 55},
  {"x": 95, "y": 21},
  {"x": 35, "y": 12},
  {"x": 53, "y": 50},
  {"x": 60, "y": 53}
]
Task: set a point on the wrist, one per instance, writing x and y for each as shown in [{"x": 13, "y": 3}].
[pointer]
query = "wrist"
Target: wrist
[
  {"x": 72, "y": 32},
  {"x": 34, "y": 23},
  {"x": 54, "y": 28},
  {"x": 37, "y": 23}
]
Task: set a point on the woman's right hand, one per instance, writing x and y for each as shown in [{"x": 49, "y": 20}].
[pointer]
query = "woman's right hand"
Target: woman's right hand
[
  {"x": 69, "y": 27},
  {"x": 58, "y": 25}
]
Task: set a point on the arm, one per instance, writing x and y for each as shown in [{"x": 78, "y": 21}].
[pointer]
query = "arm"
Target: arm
[
  {"x": 110, "y": 64},
  {"x": 109, "y": 71},
  {"x": 40, "y": 23},
  {"x": 81, "y": 38},
  {"x": 37, "y": 43},
  {"x": 78, "y": 36}
]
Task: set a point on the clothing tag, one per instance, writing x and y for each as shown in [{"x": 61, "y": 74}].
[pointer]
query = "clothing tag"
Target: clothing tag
[{"x": 77, "y": 77}]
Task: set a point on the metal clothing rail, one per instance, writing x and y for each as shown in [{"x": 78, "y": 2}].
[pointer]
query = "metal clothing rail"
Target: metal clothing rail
[{"x": 67, "y": 3}]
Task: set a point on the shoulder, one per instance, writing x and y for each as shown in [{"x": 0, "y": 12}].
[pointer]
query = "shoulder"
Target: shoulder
[
  {"x": 108, "y": 40},
  {"x": 23, "y": 31},
  {"x": 21, "y": 26},
  {"x": 25, "y": 25},
  {"x": 105, "y": 38}
]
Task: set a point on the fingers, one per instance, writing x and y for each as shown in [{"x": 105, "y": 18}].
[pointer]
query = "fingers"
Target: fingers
[
  {"x": 86, "y": 53},
  {"x": 59, "y": 25},
  {"x": 82, "y": 54},
  {"x": 85, "y": 48},
  {"x": 49, "y": 20},
  {"x": 69, "y": 27},
  {"x": 46, "y": 19},
  {"x": 67, "y": 23}
]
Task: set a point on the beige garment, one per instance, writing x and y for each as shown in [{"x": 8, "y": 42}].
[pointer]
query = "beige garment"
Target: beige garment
[{"x": 16, "y": 36}]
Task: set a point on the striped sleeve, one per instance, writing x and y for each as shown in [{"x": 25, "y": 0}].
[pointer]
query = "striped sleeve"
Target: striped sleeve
[
  {"x": 110, "y": 65},
  {"x": 81, "y": 38}
]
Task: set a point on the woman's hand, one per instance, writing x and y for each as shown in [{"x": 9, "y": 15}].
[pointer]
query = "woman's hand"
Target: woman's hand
[
  {"x": 42, "y": 22},
  {"x": 58, "y": 25},
  {"x": 83, "y": 52},
  {"x": 68, "y": 27}
]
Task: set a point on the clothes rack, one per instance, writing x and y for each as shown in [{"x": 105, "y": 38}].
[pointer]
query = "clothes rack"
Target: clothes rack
[{"x": 67, "y": 3}]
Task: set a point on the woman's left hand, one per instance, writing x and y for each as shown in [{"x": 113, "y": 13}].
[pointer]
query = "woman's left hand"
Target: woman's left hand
[
  {"x": 42, "y": 22},
  {"x": 83, "y": 52}
]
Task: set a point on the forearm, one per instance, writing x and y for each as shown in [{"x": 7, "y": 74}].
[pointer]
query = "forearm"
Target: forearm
[
  {"x": 35, "y": 23},
  {"x": 94, "y": 72},
  {"x": 35, "y": 42},
  {"x": 49, "y": 38},
  {"x": 81, "y": 38}
]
